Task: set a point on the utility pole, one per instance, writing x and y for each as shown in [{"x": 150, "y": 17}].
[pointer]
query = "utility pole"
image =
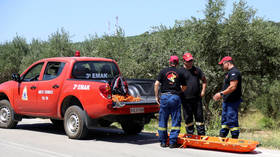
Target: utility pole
[
  {"x": 117, "y": 24},
  {"x": 109, "y": 27}
]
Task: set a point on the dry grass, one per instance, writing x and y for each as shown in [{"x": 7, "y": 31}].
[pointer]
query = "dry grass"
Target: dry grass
[
  {"x": 251, "y": 129},
  {"x": 250, "y": 121}
]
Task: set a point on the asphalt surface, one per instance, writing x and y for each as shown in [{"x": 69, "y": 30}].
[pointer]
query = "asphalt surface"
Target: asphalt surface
[{"x": 38, "y": 138}]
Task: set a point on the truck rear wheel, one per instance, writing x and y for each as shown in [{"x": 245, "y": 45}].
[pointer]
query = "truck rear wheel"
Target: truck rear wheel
[
  {"x": 132, "y": 128},
  {"x": 7, "y": 115},
  {"x": 74, "y": 123}
]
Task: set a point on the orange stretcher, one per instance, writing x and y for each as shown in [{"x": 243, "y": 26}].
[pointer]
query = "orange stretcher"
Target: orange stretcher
[{"x": 216, "y": 143}]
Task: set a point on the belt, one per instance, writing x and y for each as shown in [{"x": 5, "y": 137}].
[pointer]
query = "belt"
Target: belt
[{"x": 166, "y": 93}]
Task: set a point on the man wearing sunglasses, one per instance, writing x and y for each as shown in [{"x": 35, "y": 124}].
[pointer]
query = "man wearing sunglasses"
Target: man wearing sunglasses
[{"x": 191, "y": 99}]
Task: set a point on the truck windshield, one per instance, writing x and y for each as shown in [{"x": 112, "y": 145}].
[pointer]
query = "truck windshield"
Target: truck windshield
[{"x": 94, "y": 70}]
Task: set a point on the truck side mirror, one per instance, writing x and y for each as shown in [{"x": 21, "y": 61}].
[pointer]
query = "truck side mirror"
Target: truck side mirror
[{"x": 16, "y": 77}]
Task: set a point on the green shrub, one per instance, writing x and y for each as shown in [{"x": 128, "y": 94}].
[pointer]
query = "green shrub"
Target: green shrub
[
  {"x": 269, "y": 105},
  {"x": 266, "y": 123}
]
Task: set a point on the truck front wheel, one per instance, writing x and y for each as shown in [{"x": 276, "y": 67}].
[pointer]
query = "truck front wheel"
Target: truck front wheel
[
  {"x": 132, "y": 128},
  {"x": 74, "y": 123},
  {"x": 7, "y": 115}
]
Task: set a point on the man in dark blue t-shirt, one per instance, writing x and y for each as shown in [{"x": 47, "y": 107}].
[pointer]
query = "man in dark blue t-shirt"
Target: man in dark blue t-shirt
[
  {"x": 231, "y": 95},
  {"x": 170, "y": 82}
]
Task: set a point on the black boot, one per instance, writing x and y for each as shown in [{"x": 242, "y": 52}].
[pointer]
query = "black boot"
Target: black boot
[
  {"x": 190, "y": 129},
  {"x": 224, "y": 132},
  {"x": 234, "y": 136},
  {"x": 200, "y": 129}
]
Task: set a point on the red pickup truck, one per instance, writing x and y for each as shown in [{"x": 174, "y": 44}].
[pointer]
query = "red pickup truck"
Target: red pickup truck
[{"x": 75, "y": 92}]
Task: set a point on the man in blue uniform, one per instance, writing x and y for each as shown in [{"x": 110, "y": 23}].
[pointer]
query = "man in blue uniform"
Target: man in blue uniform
[
  {"x": 231, "y": 95},
  {"x": 171, "y": 85},
  {"x": 191, "y": 99}
]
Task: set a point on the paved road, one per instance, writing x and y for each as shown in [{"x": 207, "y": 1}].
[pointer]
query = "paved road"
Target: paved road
[{"x": 38, "y": 138}]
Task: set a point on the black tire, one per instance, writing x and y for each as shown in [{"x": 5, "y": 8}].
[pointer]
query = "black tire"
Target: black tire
[
  {"x": 74, "y": 123},
  {"x": 7, "y": 115},
  {"x": 132, "y": 128}
]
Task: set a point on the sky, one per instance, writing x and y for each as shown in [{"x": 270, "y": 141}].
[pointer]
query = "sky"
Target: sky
[{"x": 38, "y": 19}]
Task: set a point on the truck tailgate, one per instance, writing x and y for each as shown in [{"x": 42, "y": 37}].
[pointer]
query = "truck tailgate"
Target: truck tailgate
[{"x": 142, "y": 102}]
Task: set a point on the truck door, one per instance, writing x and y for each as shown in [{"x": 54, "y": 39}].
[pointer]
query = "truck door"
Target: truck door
[
  {"x": 49, "y": 88},
  {"x": 25, "y": 95}
]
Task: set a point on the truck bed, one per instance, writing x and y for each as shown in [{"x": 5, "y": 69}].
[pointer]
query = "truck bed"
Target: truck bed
[{"x": 143, "y": 88}]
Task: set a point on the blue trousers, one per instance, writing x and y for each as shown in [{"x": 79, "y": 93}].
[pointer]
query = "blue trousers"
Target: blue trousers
[
  {"x": 230, "y": 119},
  {"x": 170, "y": 104}
]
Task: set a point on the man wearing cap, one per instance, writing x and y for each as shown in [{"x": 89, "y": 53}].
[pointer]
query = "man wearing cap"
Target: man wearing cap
[
  {"x": 191, "y": 99},
  {"x": 171, "y": 84},
  {"x": 231, "y": 94}
]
